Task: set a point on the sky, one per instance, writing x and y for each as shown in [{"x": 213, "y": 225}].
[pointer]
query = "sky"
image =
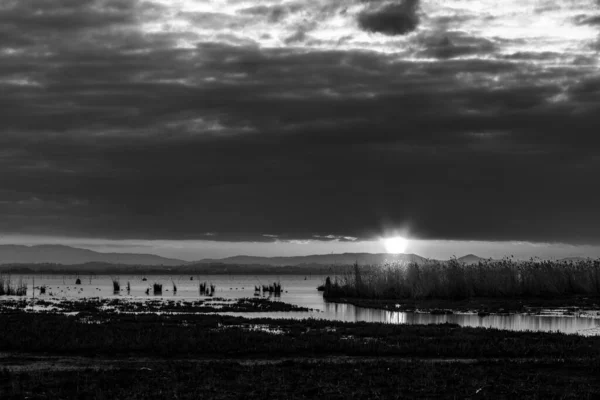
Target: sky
[{"x": 221, "y": 127}]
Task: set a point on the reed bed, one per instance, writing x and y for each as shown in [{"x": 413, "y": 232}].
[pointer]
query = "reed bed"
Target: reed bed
[
  {"x": 206, "y": 289},
  {"x": 453, "y": 280},
  {"x": 116, "y": 285},
  {"x": 9, "y": 288},
  {"x": 274, "y": 288},
  {"x": 157, "y": 288}
]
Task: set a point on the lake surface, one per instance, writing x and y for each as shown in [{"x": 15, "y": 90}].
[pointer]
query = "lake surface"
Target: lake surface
[{"x": 298, "y": 290}]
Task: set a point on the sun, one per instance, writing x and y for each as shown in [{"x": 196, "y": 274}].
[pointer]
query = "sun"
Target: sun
[{"x": 395, "y": 244}]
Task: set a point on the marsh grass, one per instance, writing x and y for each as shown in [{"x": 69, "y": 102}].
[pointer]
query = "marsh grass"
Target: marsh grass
[
  {"x": 206, "y": 289},
  {"x": 199, "y": 334},
  {"x": 305, "y": 379},
  {"x": 116, "y": 285},
  {"x": 9, "y": 288},
  {"x": 274, "y": 288},
  {"x": 453, "y": 280},
  {"x": 157, "y": 288}
]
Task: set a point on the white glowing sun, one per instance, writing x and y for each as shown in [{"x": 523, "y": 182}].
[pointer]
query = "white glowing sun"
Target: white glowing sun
[{"x": 395, "y": 245}]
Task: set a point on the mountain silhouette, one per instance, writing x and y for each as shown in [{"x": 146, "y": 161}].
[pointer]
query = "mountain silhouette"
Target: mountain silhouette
[
  {"x": 320, "y": 259},
  {"x": 470, "y": 259},
  {"x": 66, "y": 255}
]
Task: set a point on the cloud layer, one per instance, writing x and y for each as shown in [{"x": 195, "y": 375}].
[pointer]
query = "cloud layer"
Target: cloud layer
[
  {"x": 394, "y": 18},
  {"x": 240, "y": 120}
]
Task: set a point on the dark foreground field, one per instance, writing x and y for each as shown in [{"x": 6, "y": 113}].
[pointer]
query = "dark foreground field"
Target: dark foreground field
[
  {"x": 301, "y": 378},
  {"x": 96, "y": 355}
]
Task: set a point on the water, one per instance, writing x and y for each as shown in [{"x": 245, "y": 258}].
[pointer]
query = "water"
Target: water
[{"x": 298, "y": 290}]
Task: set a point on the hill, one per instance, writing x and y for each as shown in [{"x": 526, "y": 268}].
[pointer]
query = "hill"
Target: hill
[
  {"x": 320, "y": 259},
  {"x": 66, "y": 255},
  {"x": 470, "y": 259}
]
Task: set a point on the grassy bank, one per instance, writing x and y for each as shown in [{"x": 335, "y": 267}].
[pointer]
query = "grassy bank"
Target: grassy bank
[{"x": 505, "y": 279}]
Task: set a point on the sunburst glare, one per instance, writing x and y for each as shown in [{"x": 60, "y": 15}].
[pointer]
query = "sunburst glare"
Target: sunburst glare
[{"x": 395, "y": 245}]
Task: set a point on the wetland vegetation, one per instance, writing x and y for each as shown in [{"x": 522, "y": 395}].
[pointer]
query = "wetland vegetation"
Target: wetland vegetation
[
  {"x": 307, "y": 379},
  {"x": 10, "y": 288},
  {"x": 186, "y": 354},
  {"x": 169, "y": 347},
  {"x": 487, "y": 286}
]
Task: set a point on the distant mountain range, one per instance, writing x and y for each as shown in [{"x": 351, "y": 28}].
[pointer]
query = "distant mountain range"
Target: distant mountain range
[
  {"x": 321, "y": 259},
  {"x": 470, "y": 259},
  {"x": 66, "y": 255}
]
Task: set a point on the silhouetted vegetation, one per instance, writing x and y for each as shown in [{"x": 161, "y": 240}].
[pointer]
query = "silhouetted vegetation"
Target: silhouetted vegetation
[
  {"x": 78, "y": 281},
  {"x": 128, "y": 287},
  {"x": 325, "y": 286},
  {"x": 43, "y": 289},
  {"x": 281, "y": 358},
  {"x": 274, "y": 288},
  {"x": 9, "y": 288},
  {"x": 453, "y": 280},
  {"x": 157, "y": 288},
  {"x": 206, "y": 289},
  {"x": 209, "y": 334},
  {"x": 116, "y": 285}
]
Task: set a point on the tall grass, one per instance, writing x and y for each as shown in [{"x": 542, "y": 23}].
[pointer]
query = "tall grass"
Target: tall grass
[
  {"x": 116, "y": 285},
  {"x": 275, "y": 288},
  {"x": 453, "y": 280},
  {"x": 8, "y": 288},
  {"x": 157, "y": 288},
  {"x": 206, "y": 289}
]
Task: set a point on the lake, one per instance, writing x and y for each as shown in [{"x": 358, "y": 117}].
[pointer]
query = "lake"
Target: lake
[{"x": 298, "y": 290}]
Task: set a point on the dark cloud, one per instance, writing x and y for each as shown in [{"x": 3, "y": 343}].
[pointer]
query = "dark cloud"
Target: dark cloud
[
  {"x": 274, "y": 14},
  {"x": 455, "y": 44},
  {"x": 390, "y": 18},
  {"x": 588, "y": 20},
  {"x": 119, "y": 133},
  {"x": 299, "y": 36}
]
